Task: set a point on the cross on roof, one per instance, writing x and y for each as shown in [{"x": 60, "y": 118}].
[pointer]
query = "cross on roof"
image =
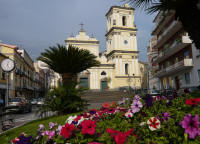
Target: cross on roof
[{"x": 81, "y": 24}]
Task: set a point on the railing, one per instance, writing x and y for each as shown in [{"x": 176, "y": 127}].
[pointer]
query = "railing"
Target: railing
[
  {"x": 185, "y": 63},
  {"x": 167, "y": 30},
  {"x": 169, "y": 68}
]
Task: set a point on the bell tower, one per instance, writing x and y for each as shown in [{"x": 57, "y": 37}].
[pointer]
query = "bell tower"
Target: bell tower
[{"x": 121, "y": 40}]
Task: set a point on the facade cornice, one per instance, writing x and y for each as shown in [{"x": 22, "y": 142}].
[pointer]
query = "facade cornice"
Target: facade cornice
[
  {"x": 119, "y": 7},
  {"x": 121, "y": 51},
  {"x": 81, "y": 41},
  {"x": 108, "y": 65},
  {"x": 120, "y": 28},
  {"x": 128, "y": 76}
]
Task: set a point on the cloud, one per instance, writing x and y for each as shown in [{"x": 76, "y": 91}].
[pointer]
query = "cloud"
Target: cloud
[{"x": 38, "y": 24}]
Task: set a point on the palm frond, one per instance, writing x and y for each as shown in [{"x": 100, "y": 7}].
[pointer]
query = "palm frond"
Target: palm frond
[
  {"x": 68, "y": 60},
  {"x": 144, "y": 4}
]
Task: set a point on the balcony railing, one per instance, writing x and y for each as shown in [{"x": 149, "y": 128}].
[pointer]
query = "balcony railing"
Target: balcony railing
[
  {"x": 184, "y": 64},
  {"x": 176, "y": 46},
  {"x": 167, "y": 30}
]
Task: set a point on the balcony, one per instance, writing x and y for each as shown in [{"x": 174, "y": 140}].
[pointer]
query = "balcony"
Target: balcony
[
  {"x": 176, "y": 46},
  {"x": 155, "y": 67},
  {"x": 177, "y": 67},
  {"x": 174, "y": 27},
  {"x": 163, "y": 20}
]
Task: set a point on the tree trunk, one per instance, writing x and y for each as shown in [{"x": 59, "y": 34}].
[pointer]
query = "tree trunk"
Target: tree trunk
[{"x": 69, "y": 77}]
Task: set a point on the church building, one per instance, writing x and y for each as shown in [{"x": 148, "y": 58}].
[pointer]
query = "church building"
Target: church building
[{"x": 119, "y": 67}]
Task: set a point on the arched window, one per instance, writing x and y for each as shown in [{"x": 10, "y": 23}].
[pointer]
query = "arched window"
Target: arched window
[
  {"x": 103, "y": 73},
  {"x": 124, "y": 20},
  {"x": 126, "y": 69}
]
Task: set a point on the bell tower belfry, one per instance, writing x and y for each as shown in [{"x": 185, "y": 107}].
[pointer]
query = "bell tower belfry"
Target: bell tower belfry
[{"x": 121, "y": 41}]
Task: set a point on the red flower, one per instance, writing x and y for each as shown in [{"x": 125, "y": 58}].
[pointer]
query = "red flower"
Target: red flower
[
  {"x": 15, "y": 140},
  {"x": 77, "y": 118},
  {"x": 192, "y": 101},
  {"x": 112, "y": 132},
  {"x": 67, "y": 130},
  {"x": 120, "y": 137},
  {"x": 105, "y": 105},
  {"x": 88, "y": 127}
]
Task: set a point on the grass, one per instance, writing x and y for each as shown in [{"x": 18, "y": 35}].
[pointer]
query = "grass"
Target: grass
[{"x": 31, "y": 128}]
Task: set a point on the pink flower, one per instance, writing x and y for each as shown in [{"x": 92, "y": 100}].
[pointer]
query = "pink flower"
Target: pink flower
[
  {"x": 191, "y": 125},
  {"x": 51, "y": 134},
  {"x": 136, "y": 106},
  {"x": 88, "y": 127}
]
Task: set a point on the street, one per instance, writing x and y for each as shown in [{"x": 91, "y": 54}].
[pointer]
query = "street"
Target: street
[{"x": 23, "y": 118}]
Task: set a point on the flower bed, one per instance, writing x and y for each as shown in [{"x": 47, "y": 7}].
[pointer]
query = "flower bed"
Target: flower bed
[{"x": 135, "y": 120}]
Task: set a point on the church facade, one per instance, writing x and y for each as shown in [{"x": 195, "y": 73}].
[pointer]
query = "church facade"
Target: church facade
[{"x": 119, "y": 67}]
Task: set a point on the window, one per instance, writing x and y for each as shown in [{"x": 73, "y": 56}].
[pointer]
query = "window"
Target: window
[
  {"x": 126, "y": 69},
  {"x": 3, "y": 75},
  {"x": 187, "y": 78},
  {"x": 114, "y": 22},
  {"x": 103, "y": 73},
  {"x": 125, "y": 42},
  {"x": 186, "y": 54},
  {"x": 199, "y": 74},
  {"x": 124, "y": 20}
]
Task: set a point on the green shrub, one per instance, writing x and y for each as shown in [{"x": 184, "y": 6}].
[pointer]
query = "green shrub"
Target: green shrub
[{"x": 64, "y": 99}]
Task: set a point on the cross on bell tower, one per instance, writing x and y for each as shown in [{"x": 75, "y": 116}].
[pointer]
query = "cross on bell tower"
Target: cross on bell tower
[{"x": 81, "y": 24}]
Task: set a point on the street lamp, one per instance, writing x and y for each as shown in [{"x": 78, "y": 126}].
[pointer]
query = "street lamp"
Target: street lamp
[
  {"x": 134, "y": 83},
  {"x": 129, "y": 81}
]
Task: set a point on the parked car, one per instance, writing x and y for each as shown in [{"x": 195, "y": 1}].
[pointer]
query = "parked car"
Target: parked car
[
  {"x": 40, "y": 102},
  {"x": 20, "y": 104},
  {"x": 34, "y": 101},
  {"x": 154, "y": 92}
]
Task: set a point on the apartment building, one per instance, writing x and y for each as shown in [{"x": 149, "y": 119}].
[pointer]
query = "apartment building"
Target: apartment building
[
  {"x": 3, "y": 83},
  {"x": 178, "y": 59},
  {"x": 152, "y": 54},
  {"x": 22, "y": 78}
]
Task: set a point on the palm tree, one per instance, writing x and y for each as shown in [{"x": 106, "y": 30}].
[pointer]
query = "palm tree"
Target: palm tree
[
  {"x": 186, "y": 11},
  {"x": 68, "y": 61}
]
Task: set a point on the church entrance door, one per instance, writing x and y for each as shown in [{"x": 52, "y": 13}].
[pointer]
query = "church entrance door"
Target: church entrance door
[
  {"x": 104, "y": 85},
  {"x": 84, "y": 82}
]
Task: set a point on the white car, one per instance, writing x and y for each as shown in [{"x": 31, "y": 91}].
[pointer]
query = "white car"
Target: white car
[
  {"x": 154, "y": 93},
  {"x": 40, "y": 102},
  {"x": 34, "y": 102}
]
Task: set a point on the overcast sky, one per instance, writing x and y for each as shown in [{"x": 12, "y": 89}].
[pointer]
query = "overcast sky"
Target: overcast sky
[{"x": 37, "y": 24}]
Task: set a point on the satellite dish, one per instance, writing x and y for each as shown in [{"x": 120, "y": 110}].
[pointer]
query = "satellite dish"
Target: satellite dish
[{"x": 42, "y": 65}]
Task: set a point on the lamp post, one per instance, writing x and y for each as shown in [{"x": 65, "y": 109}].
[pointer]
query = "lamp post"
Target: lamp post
[
  {"x": 129, "y": 81},
  {"x": 134, "y": 82},
  {"x": 7, "y": 66}
]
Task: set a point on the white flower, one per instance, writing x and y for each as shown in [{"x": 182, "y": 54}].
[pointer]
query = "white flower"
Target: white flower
[
  {"x": 153, "y": 123},
  {"x": 81, "y": 120},
  {"x": 128, "y": 114},
  {"x": 70, "y": 119},
  {"x": 142, "y": 123}
]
